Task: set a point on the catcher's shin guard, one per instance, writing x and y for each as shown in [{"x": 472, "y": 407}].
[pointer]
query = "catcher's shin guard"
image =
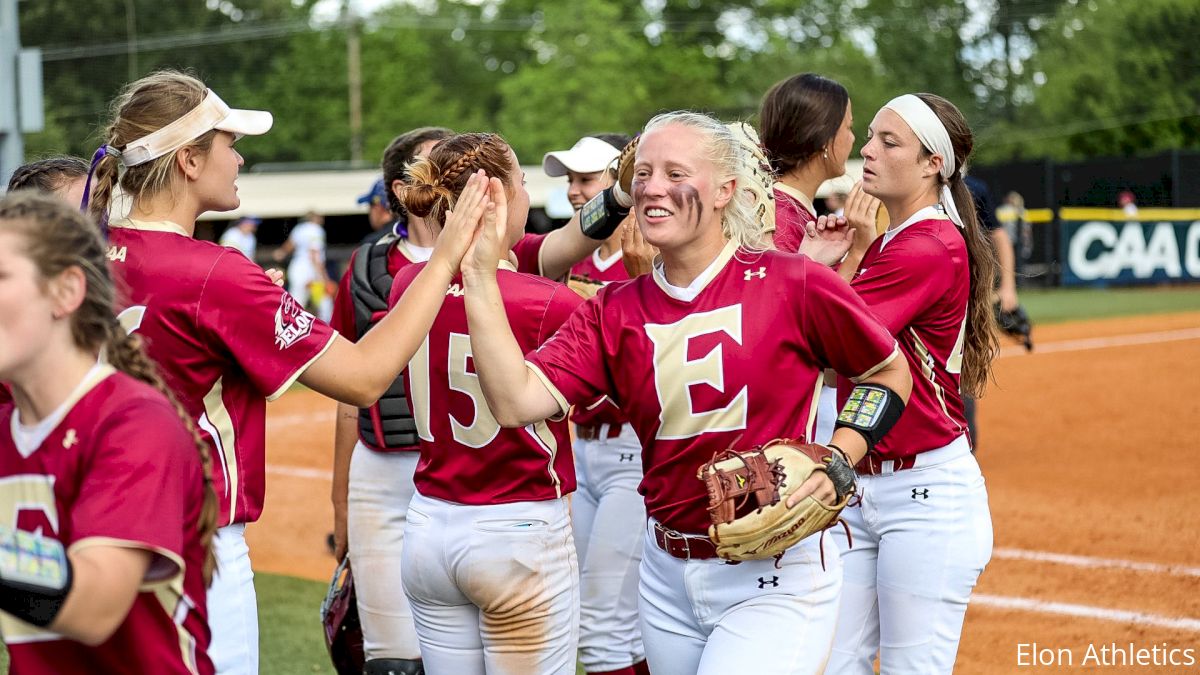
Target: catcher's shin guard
[{"x": 394, "y": 667}]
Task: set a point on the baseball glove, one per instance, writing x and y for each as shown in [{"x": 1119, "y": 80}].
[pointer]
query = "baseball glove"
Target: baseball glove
[
  {"x": 1016, "y": 324},
  {"x": 339, "y": 618},
  {"x": 748, "y": 491},
  {"x": 585, "y": 287}
]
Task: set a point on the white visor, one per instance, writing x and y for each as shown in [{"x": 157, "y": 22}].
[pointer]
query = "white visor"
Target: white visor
[
  {"x": 212, "y": 113},
  {"x": 589, "y": 155}
]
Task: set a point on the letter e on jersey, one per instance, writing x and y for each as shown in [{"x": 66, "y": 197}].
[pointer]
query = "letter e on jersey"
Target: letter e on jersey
[{"x": 674, "y": 374}]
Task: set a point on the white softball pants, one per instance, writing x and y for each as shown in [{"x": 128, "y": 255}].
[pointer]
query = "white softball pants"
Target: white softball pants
[
  {"x": 708, "y": 617},
  {"x": 381, "y": 486},
  {"x": 608, "y": 515},
  {"x": 494, "y": 589},
  {"x": 827, "y": 412},
  {"x": 233, "y": 605},
  {"x": 922, "y": 536}
]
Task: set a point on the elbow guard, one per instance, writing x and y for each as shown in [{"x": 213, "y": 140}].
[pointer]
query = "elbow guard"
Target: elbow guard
[
  {"x": 872, "y": 411},
  {"x": 602, "y": 214},
  {"x": 35, "y": 576}
]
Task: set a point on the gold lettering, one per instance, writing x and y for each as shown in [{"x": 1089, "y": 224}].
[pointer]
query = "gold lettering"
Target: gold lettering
[{"x": 674, "y": 374}]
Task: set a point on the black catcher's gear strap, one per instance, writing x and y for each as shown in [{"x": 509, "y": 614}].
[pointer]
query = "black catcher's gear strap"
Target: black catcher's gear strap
[
  {"x": 35, "y": 576},
  {"x": 872, "y": 411}
]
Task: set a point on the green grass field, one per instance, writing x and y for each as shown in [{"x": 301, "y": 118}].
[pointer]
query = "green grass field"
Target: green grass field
[
  {"x": 291, "y": 641},
  {"x": 1057, "y": 305}
]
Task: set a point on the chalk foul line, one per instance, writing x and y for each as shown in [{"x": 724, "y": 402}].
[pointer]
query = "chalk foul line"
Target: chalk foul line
[
  {"x": 1086, "y": 612},
  {"x": 1083, "y": 344},
  {"x": 1091, "y": 562}
]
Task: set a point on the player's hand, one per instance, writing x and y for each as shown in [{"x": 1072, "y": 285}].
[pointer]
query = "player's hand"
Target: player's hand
[
  {"x": 488, "y": 248},
  {"x": 827, "y": 239},
  {"x": 462, "y": 223},
  {"x": 818, "y": 485},
  {"x": 636, "y": 254},
  {"x": 1008, "y": 298},
  {"x": 275, "y": 276},
  {"x": 861, "y": 211}
]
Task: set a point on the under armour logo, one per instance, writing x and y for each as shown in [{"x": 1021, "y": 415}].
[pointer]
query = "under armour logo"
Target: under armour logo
[
  {"x": 625, "y": 457},
  {"x": 763, "y": 581},
  {"x": 761, "y": 274},
  {"x": 70, "y": 438},
  {"x": 923, "y": 494}
]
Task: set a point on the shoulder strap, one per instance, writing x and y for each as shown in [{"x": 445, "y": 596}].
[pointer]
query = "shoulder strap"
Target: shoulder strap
[{"x": 370, "y": 282}]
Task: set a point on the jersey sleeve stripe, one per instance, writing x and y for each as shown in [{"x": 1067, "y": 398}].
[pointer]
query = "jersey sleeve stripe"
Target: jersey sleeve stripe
[
  {"x": 879, "y": 366},
  {"x": 811, "y": 427},
  {"x": 219, "y": 424},
  {"x": 564, "y": 406},
  {"x": 300, "y": 371}
]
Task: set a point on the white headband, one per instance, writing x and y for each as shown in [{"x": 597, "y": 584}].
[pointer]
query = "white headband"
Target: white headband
[
  {"x": 212, "y": 113},
  {"x": 933, "y": 135}
]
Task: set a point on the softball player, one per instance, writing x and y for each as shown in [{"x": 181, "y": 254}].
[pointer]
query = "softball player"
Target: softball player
[
  {"x": 488, "y": 564},
  {"x": 720, "y": 346},
  {"x": 226, "y": 338},
  {"x": 375, "y": 448},
  {"x": 922, "y": 532},
  {"x": 106, "y": 508},
  {"x": 607, "y": 513},
  {"x": 807, "y": 131}
]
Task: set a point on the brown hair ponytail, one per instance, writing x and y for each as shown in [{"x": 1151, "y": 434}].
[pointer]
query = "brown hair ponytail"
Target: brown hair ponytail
[
  {"x": 980, "y": 344},
  {"x": 58, "y": 238},
  {"x": 436, "y": 181}
]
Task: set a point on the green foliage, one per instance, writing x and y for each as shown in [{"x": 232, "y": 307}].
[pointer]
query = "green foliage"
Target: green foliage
[
  {"x": 1066, "y": 78},
  {"x": 1121, "y": 78}
]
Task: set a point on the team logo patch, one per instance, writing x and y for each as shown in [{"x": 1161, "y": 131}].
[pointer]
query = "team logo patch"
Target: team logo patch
[{"x": 292, "y": 322}]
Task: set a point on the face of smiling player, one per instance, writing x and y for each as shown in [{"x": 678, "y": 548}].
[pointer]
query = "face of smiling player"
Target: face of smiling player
[{"x": 678, "y": 194}]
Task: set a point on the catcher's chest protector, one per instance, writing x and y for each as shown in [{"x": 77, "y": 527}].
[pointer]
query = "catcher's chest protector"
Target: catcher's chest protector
[{"x": 389, "y": 422}]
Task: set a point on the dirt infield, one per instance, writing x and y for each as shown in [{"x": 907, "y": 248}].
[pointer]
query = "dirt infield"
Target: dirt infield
[{"x": 1089, "y": 447}]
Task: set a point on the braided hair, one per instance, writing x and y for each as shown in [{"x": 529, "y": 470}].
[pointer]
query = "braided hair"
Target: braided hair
[
  {"x": 436, "y": 181},
  {"x": 48, "y": 175}
]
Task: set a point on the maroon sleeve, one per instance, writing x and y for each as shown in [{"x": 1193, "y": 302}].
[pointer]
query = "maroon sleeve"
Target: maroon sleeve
[
  {"x": 529, "y": 253},
  {"x": 343, "y": 305},
  {"x": 265, "y": 330},
  {"x": 562, "y": 304},
  {"x": 5, "y": 394},
  {"x": 907, "y": 276},
  {"x": 140, "y": 481},
  {"x": 572, "y": 359},
  {"x": 839, "y": 327}
]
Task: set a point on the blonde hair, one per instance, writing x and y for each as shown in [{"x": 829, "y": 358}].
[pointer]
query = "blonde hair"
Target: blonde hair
[
  {"x": 737, "y": 157},
  {"x": 143, "y": 107},
  {"x": 58, "y": 237}
]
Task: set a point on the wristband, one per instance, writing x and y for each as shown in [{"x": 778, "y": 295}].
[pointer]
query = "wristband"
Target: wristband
[
  {"x": 841, "y": 472},
  {"x": 35, "y": 576},
  {"x": 602, "y": 214},
  {"x": 872, "y": 410}
]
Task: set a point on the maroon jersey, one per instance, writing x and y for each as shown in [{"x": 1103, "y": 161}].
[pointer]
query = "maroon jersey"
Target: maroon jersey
[
  {"x": 915, "y": 279},
  {"x": 594, "y": 268},
  {"x": 466, "y": 457},
  {"x": 119, "y": 469},
  {"x": 793, "y": 212},
  {"x": 730, "y": 361},
  {"x": 225, "y": 339},
  {"x": 399, "y": 256},
  {"x": 529, "y": 254},
  {"x": 5, "y": 394}
]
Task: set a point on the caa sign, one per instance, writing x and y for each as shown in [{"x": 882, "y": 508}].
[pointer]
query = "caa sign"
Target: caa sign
[{"x": 1101, "y": 251}]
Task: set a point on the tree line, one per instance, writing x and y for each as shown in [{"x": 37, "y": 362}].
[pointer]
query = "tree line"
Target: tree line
[{"x": 1066, "y": 79}]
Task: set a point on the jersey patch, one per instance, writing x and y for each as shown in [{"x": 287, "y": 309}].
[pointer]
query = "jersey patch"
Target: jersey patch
[{"x": 292, "y": 322}]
